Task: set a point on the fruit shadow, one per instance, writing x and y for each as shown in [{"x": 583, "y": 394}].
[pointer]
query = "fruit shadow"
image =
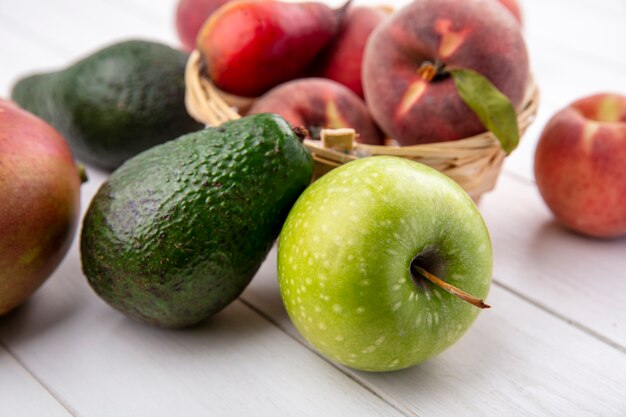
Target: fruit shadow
[
  {"x": 551, "y": 230},
  {"x": 554, "y": 245},
  {"x": 55, "y": 303},
  {"x": 476, "y": 358},
  {"x": 235, "y": 324}
]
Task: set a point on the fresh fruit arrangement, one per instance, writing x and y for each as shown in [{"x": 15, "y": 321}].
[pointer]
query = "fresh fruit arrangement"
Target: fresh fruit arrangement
[
  {"x": 383, "y": 262},
  {"x": 435, "y": 71},
  {"x": 39, "y": 203}
]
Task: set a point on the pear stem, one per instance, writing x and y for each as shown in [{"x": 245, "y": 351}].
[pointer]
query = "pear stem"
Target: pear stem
[
  {"x": 301, "y": 132},
  {"x": 343, "y": 10},
  {"x": 450, "y": 288}
]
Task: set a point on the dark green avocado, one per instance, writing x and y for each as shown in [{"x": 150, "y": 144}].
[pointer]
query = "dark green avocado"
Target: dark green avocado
[
  {"x": 178, "y": 231},
  {"x": 115, "y": 103}
]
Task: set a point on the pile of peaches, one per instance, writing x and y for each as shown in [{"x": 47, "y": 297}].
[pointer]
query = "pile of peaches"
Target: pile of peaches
[
  {"x": 382, "y": 72},
  {"x": 387, "y": 74}
]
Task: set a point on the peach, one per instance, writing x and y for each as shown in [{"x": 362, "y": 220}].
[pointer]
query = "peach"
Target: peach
[
  {"x": 342, "y": 60},
  {"x": 317, "y": 103},
  {"x": 580, "y": 165},
  {"x": 190, "y": 16},
  {"x": 431, "y": 36},
  {"x": 513, "y": 7}
]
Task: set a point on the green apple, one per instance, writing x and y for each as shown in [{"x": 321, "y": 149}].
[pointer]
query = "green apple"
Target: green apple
[{"x": 359, "y": 255}]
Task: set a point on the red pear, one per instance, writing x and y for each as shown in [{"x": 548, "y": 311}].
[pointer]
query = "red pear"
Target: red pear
[{"x": 250, "y": 46}]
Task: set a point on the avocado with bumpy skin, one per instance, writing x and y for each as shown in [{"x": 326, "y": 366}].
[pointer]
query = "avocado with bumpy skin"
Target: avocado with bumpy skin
[
  {"x": 114, "y": 103},
  {"x": 177, "y": 232}
]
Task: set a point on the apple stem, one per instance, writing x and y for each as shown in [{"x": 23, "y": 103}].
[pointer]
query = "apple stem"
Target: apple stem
[{"x": 450, "y": 288}]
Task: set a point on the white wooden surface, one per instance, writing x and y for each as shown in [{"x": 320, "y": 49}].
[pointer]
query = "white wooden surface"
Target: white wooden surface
[{"x": 553, "y": 345}]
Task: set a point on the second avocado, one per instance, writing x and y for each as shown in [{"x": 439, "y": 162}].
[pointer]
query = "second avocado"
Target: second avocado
[
  {"x": 114, "y": 103},
  {"x": 177, "y": 232}
]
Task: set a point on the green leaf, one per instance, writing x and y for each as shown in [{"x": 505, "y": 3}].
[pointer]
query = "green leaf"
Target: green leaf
[{"x": 492, "y": 107}]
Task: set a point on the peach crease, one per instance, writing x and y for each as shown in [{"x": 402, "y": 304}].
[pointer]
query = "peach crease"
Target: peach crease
[{"x": 412, "y": 96}]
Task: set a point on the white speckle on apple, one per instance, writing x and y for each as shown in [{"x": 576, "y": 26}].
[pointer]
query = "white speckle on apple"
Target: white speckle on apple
[
  {"x": 324, "y": 297},
  {"x": 351, "y": 257},
  {"x": 436, "y": 317},
  {"x": 299, "y": 300},
  {"x": 458, "y": 277},
  {"x": 411, "y": 296},
  {"x": 339, "y": 338},
  {"x": 402, "y": 280},
  {"x": 317, "y": 309},
  {"x": 396, "y": 306},
  {"x": 396, "y": 287},
  {"x": 394, "y": 363},
  {"x": 437, "y": 294},
  {"x": 310, "y": 261},
  {"x": 369, "y": 349},
  {"x": 308, "y": 281},
  {"x": 337, "y": 308},
  {"x": 365, "y": 282},
  {"x": 322, "y": 326},
  {"x": 360, "y": 310},
  {"x": 418, "y": 320},
  {"x": 379, "y": 341},
  {"x": 481, "y": 248},
  {"x": 353, "y": 355},
  {"x": 429, "y": 319},
  {"x": 316, "y": 239}
]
